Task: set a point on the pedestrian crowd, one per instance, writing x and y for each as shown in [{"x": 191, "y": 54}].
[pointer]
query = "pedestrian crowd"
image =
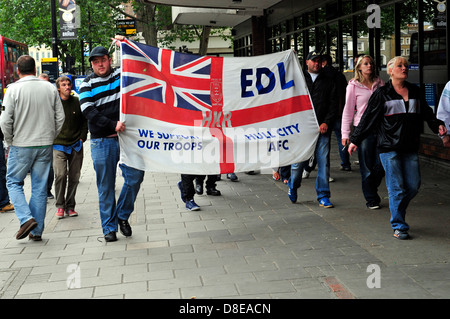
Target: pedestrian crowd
[{"x": 380, "y": 121}]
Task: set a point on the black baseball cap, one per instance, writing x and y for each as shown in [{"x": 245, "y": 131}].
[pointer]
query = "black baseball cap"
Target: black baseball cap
[
  {"x": 98, "y": 51},
  {"x": 312, "y": 55}
]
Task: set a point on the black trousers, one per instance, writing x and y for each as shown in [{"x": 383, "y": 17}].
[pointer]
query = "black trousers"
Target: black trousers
[
  {"x": 210, "y": 182},
  {"x": 187, "y": 182}
]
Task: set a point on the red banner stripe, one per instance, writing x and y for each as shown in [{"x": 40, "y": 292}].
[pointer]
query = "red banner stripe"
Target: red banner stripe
[
  {"x": 160, "y": 111},
  {"x": 270, "y": 111}
]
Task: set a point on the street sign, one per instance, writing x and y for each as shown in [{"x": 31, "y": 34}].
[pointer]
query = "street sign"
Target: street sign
[
  {"x": 50, "y": 66},
  {"x": 127, "y": 26},
  {"x": 67, "y": 20}
]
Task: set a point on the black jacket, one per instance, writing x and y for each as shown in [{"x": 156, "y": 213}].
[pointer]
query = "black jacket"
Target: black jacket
[
  {"x": 324, "y": 98},
  {"x": 398, "y": 125},
  {"x": 341, "y": 87},
  {"x": 1, "y": 133}
]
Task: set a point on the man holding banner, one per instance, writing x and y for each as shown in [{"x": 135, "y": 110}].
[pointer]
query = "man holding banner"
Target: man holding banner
[
  {"x": 100, "y": 101},
  {"x": 324, "y": 98}
]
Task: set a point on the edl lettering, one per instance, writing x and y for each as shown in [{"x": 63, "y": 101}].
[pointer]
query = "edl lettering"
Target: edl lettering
[{"x": 247, "y": 82}]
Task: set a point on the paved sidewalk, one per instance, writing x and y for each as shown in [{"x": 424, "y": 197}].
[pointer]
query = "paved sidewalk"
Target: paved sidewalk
[{"x": 249, "y": 243}]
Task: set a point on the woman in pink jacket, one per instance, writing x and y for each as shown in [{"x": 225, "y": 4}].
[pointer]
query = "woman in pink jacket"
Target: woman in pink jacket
[{"x": 359, "y": 90}]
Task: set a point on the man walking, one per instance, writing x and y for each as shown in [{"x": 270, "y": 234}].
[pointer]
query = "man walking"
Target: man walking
[
  {"x": 5, "y": 205},
  {"x": 32, "y": 119},
  {"x": 100, "y": 102},
  {"x": 324, "y": 98},
  {"x": 68, "y": 150}
]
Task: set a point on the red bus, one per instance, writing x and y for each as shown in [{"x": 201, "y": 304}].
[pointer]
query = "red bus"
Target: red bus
[{"x": 10, "y": 51}]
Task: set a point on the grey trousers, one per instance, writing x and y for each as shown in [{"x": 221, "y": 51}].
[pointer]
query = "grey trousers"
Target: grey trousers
[{"x": 67, "y": 168}]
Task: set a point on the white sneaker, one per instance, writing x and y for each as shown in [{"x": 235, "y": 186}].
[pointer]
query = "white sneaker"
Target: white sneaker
[
  {"x": 330, "y": 179},
  {"x": 305, "y": 174}
]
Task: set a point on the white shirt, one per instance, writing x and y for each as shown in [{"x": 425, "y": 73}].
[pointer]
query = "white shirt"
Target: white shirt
[
  {"x": 443, "y": 112},
  {"x": 313, "y": 76}
]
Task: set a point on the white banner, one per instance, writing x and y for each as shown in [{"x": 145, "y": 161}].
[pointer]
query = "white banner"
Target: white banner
[{"x": 209, "y": 115}]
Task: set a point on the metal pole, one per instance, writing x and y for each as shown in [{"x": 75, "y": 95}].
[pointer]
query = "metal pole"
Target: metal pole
[
  {"x": 397, "y": 23},
  {"x": 82, "y": 57},
  {"x": 54, "y": 30},
  {"x": 447, "y": 27},
  {"x": 420, "y": 23},
  {"x": 354, "y": 31}
]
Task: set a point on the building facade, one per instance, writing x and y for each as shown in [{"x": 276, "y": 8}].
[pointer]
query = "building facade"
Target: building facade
[
  {"x": 39, "y": 53},
  {"x": 416, "y": 29}
]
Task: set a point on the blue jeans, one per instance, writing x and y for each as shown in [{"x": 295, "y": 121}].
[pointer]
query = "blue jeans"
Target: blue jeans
[
  {"x": 403, "y": 182},
  {"x": 4, "y": 197},
  {"x": 37, "y": 161},
  {"x": 105, "y": 156},
  {"x": 372, "y": 171},
  {"x": 322, "y": 154},
  {"x": 343, "y": 154},
  {"x": 130, "y": 189}
]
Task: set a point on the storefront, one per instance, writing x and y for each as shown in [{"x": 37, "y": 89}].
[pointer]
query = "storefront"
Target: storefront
[{"x": 414, "y": 29}]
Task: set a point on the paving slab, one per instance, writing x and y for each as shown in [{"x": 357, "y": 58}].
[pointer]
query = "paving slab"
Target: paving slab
[{"x": 249, "y": 243}]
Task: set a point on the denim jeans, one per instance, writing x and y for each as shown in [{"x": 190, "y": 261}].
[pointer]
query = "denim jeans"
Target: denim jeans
[
  {"x": 403, "y": 182},
  {"x": 372, "y": 171},
  {"x": 343, "y": 154},
  {"x": 4, "y": 197},
  {"x": 37, "y": 161},
  {"x": 322, "y": 154},
  {"x": 295, "y": 179},
  {"x": 130, "y": 189},
  {"x": 105, "y": 156},
  {"x": 187, "y": 184}
]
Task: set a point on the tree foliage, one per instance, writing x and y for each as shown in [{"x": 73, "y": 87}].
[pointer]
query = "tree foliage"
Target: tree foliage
[
  {"x": 32, "y": 24},
  {"x": 29, "y": 21}
]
